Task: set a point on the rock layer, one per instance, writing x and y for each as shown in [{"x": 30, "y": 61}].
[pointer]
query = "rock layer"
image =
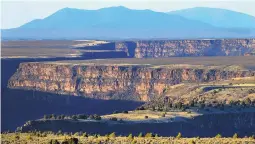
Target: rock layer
[
  {"x": 172, "y": 48},
  {"x": 131, "y": 82}
]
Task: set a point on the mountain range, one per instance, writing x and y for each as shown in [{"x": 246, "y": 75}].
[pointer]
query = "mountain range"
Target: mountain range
[{"x": 124, "y": 23}]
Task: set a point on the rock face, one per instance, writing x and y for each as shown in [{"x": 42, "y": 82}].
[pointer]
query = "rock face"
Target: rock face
[
  {"x": 172, "y": 48},
  {"x": 130, "y": 82}
]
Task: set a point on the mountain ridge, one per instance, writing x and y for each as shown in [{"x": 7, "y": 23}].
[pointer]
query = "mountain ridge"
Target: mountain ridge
[{"x": 121, "y": 22}]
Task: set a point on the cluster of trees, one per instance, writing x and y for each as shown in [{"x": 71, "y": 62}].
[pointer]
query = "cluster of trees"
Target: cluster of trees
[
  {"x": 74, "y": 117},
  {"x": 160, "y": 105}
]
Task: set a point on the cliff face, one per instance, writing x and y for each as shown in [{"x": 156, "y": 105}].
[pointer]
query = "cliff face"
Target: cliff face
[
  {"x": 131, "y": 82},
  {"x": 171, "y": 48}
]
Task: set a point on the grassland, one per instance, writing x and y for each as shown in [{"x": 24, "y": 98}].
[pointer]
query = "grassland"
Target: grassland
[
  {"x": 24, "y": 138},
  {"x": 240, "y": 61},
  {"x": 45, "y": 48}
]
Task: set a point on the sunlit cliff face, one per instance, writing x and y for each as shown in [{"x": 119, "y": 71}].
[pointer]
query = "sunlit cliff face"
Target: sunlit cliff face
[{"x": 130, "y": 82}]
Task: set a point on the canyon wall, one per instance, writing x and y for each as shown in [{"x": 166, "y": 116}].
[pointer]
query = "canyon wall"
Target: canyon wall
[
  {"x": 129, "y": 82},
  {"x": 172, "y": 48}
]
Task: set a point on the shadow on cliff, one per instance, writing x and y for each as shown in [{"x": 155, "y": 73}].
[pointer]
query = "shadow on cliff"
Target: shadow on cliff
[{"x": 19, "y": 106}]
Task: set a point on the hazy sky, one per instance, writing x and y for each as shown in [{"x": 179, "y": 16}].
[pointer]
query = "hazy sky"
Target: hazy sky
[{"x": 16, "y": 13}]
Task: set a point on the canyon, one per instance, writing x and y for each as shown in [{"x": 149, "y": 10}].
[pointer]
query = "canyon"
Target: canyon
[
  {"x": 127, "y": 80},
  {"x": 173, "y": 48}
]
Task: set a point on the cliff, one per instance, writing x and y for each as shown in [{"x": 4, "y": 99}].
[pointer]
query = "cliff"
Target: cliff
[
  {"x": 114, "y": 81},
  {"x": 172, "y": 48}
]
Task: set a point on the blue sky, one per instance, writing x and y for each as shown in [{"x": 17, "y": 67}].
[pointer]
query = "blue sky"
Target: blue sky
[{"x": 17, "y": 13}]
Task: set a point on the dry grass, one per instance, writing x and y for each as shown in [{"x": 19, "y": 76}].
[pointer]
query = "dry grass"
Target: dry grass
[
  {"x": 24, "y": 138},
  {"x": 139, "y": 115}
]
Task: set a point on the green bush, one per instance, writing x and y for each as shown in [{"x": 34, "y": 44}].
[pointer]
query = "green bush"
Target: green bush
[
  {"x": 85, "y": 134},
  {"x": 179, "y": 135},
  {"x": 125, "y": 112},
  {"x": 235, "y": 135},
  {"x": 112, "y": 135},
  {"x": 115, "y": 112},
  {"x": 218, "y": 136},
  {"x": 130, "y": 136},
  {"x": 148, "y": 135},
  {"x": 140, "y": 134},
  {"x": 54, "y": 142},
  {"x": 74, "y": 117},
  {"x": 113, "y": 119}
]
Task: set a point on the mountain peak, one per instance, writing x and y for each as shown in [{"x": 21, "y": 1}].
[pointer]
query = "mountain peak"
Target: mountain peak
[{"x": 217, "y": 17}]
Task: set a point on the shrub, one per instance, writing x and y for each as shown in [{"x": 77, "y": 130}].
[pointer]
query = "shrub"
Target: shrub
[
  {"x": 130, "y": 136},
  {"x": 91, "y": 116},
  {"x": 85, "y": 134},
  {"x": 148, "y": 135},
  {"x": 112, "y": 135},
  {"x": 192, "y": 142},
  {"x": 201, "y": 105},
  {"x": 46, "y": 117},
  {"x": 115, "y": 112},
  {"x": 146, "y": 117},
  {"x": 77, "y": 134},
  {"x": 113, "y": 119},
  {"x": 17, "y": 137},
  {"x": 247, "y": 101},
  {"x": 54, "y": 142},
  {"x": 97, "y": 117},
  {"x": 235, "y": 135},
  {"x": 71, "y": 141},
  {"x": 218, "y": 136},
  {"x": 82, "y": 116},
  {"x": 179, "y": 135},
  {"x": 163, "y": 115},
  {"x": 140, "y": 108},
  {"x": 125, "y": 112},
  {"x": 53, "y": 116},
  {"x": 156, "y": 135},
  {"x": 140, "y": 134},
  {"x": 74, "y": 117}
]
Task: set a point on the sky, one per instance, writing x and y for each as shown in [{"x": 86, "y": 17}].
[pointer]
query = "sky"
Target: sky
[{"x": 16, "y": 13}]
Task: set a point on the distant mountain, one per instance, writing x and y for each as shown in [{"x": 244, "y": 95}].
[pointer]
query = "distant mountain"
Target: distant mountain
[
  {"x": 118, "y": 23},
  {"x": 217, "y": 17}
]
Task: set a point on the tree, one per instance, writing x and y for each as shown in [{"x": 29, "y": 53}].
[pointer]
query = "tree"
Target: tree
[
  {"x": 113, "y": 119},
  {"x": 235, "y": 135},
  {"x": 53, "y": 116},
  {"x": 112, "y": 135},
  {"x": 148, "y": 135},
  {"x": 125, "y": 112},
  {"x": 97, "y": 117},
  {"x": 45, "y": 117},
  {"x": 54, "y": 142},
  {"x": 179, "y": 135},
  {"x": 74, "y": 117},
  {"x": 140, "y": 134},
  {"x": 130, "y": 136},
  {"x": 85, "y": 134},
  {"x": 247, "y": 101},
  {"x": 218, "y": 136}
]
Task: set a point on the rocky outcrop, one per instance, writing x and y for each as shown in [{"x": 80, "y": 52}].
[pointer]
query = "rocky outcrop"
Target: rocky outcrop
[
  {"x": 173, "y": 48},
  {"x": 132, "y": 82}
]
